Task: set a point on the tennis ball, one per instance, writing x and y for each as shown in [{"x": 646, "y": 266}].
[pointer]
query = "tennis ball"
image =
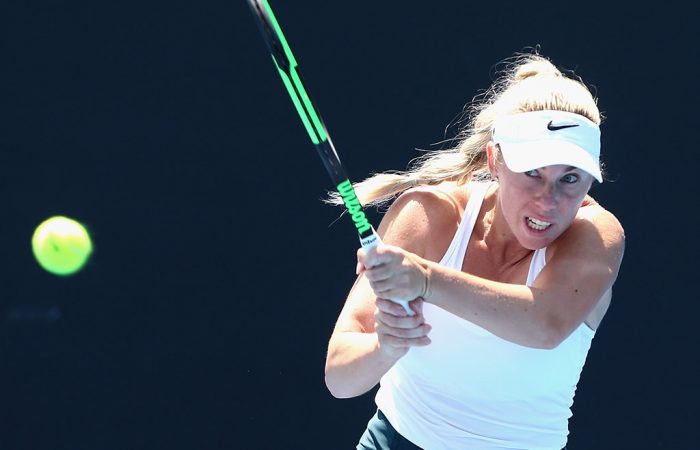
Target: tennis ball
[{"x": 61, "y": 245}]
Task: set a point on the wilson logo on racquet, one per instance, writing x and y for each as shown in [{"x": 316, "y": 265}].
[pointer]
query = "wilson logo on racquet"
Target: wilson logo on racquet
[{"x": 354, "y": 207}]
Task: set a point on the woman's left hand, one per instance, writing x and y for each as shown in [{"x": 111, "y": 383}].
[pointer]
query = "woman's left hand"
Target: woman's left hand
[{"x": 393, "y": 273}]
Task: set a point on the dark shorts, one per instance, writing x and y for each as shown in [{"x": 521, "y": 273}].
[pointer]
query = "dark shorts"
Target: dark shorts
[{"x": 380, "y": 435}]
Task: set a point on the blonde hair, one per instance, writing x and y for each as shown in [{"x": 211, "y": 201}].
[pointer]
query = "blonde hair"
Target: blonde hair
[{"x": 528, "y": 83}]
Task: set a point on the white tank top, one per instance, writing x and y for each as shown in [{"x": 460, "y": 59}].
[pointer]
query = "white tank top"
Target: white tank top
[{"x": 470, "y": 389}]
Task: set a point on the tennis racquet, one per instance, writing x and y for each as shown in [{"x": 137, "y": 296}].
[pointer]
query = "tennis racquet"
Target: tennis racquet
[{"x": 288, "y": 69}]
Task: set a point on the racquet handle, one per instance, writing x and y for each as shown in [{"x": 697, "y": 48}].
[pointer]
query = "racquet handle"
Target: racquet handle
[{"x": 372, "y": 241}]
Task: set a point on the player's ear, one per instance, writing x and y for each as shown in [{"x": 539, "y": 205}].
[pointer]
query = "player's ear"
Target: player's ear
[{"x": 492, "y": 155}]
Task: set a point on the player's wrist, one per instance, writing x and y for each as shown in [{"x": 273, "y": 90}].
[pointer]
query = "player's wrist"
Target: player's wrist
[{"x": 427, "y": 278}]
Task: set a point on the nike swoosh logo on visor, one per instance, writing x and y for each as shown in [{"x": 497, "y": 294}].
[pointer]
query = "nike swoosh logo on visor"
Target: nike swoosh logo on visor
[{"x": 552, "y": 127}]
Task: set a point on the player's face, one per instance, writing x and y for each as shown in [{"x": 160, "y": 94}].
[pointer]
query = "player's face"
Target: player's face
[{"x": 539, "y": 205}]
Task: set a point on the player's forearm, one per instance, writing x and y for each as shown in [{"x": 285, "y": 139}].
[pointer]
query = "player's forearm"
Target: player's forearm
[
  {"x": 513, "y": 312},
  {"x": 355, "y": 364}
]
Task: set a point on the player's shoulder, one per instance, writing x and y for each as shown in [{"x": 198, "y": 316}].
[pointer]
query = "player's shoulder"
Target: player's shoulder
[
  {"x": 423, "y": 216},
  {"x": 595, "y": 226},
  {"x": 446, "y": 198},
  {"x": 602, "y": 220}
]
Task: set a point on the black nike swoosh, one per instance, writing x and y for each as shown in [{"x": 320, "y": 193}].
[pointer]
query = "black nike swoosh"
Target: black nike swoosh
[{"x": 552, "y": 127}]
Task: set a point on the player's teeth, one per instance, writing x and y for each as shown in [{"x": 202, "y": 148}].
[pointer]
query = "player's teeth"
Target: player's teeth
[{"x": 537, "y": 224}]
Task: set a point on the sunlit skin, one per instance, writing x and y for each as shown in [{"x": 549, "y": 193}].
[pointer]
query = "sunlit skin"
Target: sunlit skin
[
  {"x": 551, "y": 194},
  {"x": 584, "y": 244}
]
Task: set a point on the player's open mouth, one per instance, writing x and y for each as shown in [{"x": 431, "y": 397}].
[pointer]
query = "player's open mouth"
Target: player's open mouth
[{"x": 538, "y": 225}]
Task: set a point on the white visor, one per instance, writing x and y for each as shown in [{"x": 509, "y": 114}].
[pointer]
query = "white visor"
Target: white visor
[{"x": 537, "y": 139}]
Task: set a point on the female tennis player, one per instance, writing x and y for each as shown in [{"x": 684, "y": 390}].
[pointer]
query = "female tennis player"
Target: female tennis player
[{"x": 508, "y": 264}]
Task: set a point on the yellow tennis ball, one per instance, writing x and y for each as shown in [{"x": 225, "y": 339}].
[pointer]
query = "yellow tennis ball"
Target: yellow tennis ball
[{"x": 61, "y": 245}]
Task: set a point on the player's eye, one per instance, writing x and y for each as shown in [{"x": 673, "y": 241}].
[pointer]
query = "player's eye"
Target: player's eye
[{"x": 570, "y": 178}]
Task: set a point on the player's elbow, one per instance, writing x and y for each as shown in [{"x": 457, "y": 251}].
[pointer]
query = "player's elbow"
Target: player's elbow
[
  {"x": 550, "y": 342},
  {"x": 553, "y": 332},
  {"x": 337, "y": 390},
  {"x": 541, "y": 339},
  {"x": 336, "y": 386},
  {"x": 333, "y": 387}
]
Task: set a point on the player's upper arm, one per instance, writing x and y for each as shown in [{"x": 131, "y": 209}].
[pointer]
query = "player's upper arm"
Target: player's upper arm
[
  {"x": 595, "y": 237},
  {"x": 582, "y": 266}
]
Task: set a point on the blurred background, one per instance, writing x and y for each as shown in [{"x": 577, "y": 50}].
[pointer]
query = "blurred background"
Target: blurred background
[{"x": 202, "y": 319}]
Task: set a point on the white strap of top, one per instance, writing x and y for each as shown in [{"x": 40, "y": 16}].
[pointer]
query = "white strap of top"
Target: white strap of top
[{"x": 454, "y": 256}]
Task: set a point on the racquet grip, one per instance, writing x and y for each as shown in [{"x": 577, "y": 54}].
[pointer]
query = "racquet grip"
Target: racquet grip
[{"x": 372, "y": 241}]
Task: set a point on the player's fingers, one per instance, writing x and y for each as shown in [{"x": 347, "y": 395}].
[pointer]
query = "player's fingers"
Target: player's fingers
[
  {"x": 413, "y": 332},
  {"x": 397, "y": 317},
  {"x": 390, "y": 307},
  {"x": 408, "y": 322},
  {"x": 400, "y": 342},
  {"x": 381, "y": 254},
  {"x": 379, "y": 273},
  {"x": 388, "y": 290},
  {"x": 417, "y": 306}
]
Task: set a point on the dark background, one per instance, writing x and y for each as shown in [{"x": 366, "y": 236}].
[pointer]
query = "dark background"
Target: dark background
[{"x": 202, "y": 319}]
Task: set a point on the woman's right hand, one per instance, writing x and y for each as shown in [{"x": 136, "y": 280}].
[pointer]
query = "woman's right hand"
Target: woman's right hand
[{"x": 396, "y": 331}]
